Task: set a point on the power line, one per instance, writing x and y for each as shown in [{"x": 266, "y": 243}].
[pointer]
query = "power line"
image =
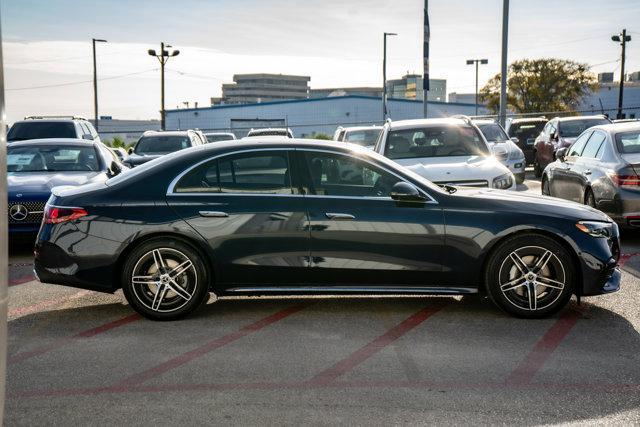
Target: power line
[
  {"x": 200, "y": 76},
  {"x": 81, "y": 81},
  {"x": 38, "y": 61}
]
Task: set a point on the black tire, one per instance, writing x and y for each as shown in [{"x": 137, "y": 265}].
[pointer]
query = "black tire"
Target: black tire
[
  {"x": 512, "y": 291},
  {"x": 157, "y": 294},
  {"x": 537, "y": 169},
  {"x": 544, "y": 187},
  {"x": 590, "y": 199},
  {"x": 519, "y": 178}
]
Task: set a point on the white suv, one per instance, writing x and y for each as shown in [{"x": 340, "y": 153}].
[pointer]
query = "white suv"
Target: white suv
[
  {"x": 449, "y": 151},
  {"x": 45, "y": 127}
]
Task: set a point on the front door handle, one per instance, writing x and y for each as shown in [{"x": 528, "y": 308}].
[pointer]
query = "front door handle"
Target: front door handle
[
  {"x": 213, "y": 214},
  {"x": 340, "y": 216}
]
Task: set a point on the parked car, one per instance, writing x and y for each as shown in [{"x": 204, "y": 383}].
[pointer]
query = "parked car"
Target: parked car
[
  {"x": 43, "y": 127},
  {"x": 120, "y": 152},
  {"x": 503, "y": 148},
  {"x": 154, "y": 144},
  {"x": 273, "y": 218},
  {"x": 602, "y": 170},
  {"x": 271, "y": 132},
  {"x": 219, "y": 136},
  {"x": 36, "y": 166},
  {"x": 525, "y": 131},
  {"x": 560, "y": 132},
  {"x": 449, "y": 151},
  {"x": 366, "y": 136}
]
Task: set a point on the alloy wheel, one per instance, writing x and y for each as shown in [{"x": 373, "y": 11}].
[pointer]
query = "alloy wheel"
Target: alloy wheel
[
  {"x": 164, "y": 280},
  {"x": 532, "y": 278}
]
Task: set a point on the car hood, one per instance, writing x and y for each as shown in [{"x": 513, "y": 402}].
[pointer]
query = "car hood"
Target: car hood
[
  {"x": 456, "y": 168},
  {"x": 41, "y": 183},
  {"x": 533, "y": 203}
]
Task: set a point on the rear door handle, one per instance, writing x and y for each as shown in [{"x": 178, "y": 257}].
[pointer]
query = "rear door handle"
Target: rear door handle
[
  {"x": 213, "y": 214},
  {"x": 340, "y": 216}
]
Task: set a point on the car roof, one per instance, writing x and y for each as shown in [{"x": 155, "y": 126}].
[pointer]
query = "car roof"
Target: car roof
[
  {"x": 219, "y": 133},
  {"x": 167, "y": 132},
  {"x": 530, "y": 119},
  {"x": 484, "y": 122},
  {"x": 357, "y": 128},
  {"x": 413, "y": 123},
  {"x": 619, "y": 127},
  {"x": 572, "y": 118},
  {"x": 53, "y": 141}
]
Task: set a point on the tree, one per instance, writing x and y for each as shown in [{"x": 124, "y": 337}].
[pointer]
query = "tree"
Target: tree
[
  {"x": 118, "y": 142},
  {"x": 320, "y": 135},
  {"x": 540, "y": 85}
]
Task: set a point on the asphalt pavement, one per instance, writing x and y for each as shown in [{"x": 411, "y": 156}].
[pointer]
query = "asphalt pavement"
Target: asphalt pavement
[{"x": 78, "y": 357}]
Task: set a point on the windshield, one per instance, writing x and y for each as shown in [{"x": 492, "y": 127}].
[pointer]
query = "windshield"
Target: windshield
[
  {"x": 573, "y": 128},
  {"x": 40, "y": 130},
  {"x": 160, "y": 144},
  {"x": 363, "y": 137},
  {"x": 52, "y": 159},
  {"x": 218, "y": 137},
  {"x": 493, "y": 132},
  {"x": 628, "y": 142},
  {"x": 435, "y": 141}
]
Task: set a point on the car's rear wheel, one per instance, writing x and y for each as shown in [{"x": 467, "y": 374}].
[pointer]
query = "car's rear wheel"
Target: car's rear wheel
[
  {"x": 165, "y": 279},
  {"x": 530, "y": 276}
]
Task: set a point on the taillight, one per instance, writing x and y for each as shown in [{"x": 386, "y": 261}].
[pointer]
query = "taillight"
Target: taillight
[
  {"x": 58, "y": 214},
  {"x": 632, "y": 181}
]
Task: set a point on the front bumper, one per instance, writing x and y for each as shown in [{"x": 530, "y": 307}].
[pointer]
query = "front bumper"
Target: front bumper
[{"x": 599, "y": 264}]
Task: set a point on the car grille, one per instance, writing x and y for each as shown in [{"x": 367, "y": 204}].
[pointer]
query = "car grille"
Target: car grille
[
  {"x": 470, "y": 183},
  {"x": 35, "y": 211}
]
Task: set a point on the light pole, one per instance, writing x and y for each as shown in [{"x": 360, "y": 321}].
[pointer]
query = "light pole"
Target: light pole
[
  {"x": 163, "y": 57},
  {"x": 384, "y": 75},
  {"x": 477, "y": 62},
  {"x": 503, "y": 63},
  {"x": 95, "y": 82},
  {"x": 622, "y": 38}
]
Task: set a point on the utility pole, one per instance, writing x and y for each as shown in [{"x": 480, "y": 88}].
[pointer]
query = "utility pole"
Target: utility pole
[
  {"x": 503, "y": 68},
  {"x": 163, "y": 57},
  {"x": 622, "y": 38},
  {"x": 384, "y": 75},
  {"x": 477, "y": 61},
  {"x": 95, "y": 83}
]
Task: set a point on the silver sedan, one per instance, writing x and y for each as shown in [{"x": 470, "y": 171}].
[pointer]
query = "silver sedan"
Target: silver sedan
[{"x": 503, "y": 148}]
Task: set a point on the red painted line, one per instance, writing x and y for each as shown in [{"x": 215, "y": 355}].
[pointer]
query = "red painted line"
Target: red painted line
[
  {"x": 22, "y": 280},
  {"x": 208, "y": 347},
  {"x": 542, "y": 351},
  {"x": 63, "y": 341},
  {"x": 626, "y": 257},
  {"x": 374, "y": 346},
  {"x": 19, "y": 311}
]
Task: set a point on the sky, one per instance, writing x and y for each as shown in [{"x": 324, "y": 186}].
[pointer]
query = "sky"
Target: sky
[{"x": 338, "y": 43}]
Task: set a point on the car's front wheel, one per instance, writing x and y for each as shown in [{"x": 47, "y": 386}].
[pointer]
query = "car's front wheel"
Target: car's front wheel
[
  {"x": 165, "y": 279},
  {"x": 530, "y": 276}
]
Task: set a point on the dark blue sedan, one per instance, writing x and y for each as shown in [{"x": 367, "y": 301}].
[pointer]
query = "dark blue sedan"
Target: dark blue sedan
[{"x": 36, "y": 166}]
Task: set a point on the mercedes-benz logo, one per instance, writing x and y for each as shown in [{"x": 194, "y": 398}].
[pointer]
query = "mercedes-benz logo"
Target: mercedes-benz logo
[{"x": 18, "y": 212}]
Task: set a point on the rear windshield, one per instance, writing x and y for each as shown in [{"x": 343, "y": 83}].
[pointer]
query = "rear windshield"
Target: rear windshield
[
  {"x": 220, "y": 137},
  {"x": 493, "y": 132},
  {"x": 161, "y": 144},
  {"x": 44, "y": 158},
  {"x": 39, "y": 130},
  {"x": 435, "y": 141},
  {"x": 363, "y": 137},
  {"x": 628, "y": 142},
  {"x": 526, "y": 131},
  {"x": 574, "y": 128}
]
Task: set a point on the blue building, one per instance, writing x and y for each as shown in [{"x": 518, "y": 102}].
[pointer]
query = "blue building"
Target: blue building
[{"x": 307, "y": 116}]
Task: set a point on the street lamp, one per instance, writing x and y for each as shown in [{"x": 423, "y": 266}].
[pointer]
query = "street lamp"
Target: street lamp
[
  {"x": 95, "y": 82},
  {"x": 477, "y": 62},
  {"x": 621, "y": 38},
  {"x": 163, "y": 57},
  {"x": 384, "y": 75}
]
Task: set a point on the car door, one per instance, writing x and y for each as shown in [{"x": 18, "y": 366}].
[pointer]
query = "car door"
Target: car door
[
  {"x": 254, "y": 219},
  {"x": 563, "y": 179},
  {"x": 588, "y": 167},
  {"x": 360, "y": 236}
]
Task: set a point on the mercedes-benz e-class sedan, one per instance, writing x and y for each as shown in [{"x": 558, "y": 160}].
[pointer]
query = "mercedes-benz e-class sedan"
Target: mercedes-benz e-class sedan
[{"x": 278, "y": 218}]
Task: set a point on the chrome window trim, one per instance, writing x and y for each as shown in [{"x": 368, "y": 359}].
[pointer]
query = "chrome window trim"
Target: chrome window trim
[{"x": 172, "y": 184}]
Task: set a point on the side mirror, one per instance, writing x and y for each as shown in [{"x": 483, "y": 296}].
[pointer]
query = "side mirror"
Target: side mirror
[
  {"x": 405, "y": 192},
  {"x": 515, "y": 139},
  {"x": 114, "y": 169},
  {"x": 561, "y": 154},
  {"x": 553, "y": 137},
  {"x": 130, "y": 150},
  {"x": 87, "y": 136}
]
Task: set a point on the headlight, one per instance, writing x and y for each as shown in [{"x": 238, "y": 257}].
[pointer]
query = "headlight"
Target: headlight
[
  {"x": 516, "y": 154},
  {"x": 595, "y": 228},
  {"x": 503, "y": 181}
]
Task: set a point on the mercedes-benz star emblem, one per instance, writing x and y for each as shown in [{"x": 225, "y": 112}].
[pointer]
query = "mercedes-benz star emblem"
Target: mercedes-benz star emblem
[{"x": 18, "y": 212}]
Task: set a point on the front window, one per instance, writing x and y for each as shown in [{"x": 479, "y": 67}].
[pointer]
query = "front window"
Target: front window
[
  {"x": 364, "y": 138},
  {"x": 493, "y": 132},
  {"x": 52, "y": 159},
  {"x": 628, "y": 142},
  {"x": 573, "y": 128},
  {"x": 162, "y": 144},
  {"x": 435, "y": 141},
  {"x": 41, "y": 130}
]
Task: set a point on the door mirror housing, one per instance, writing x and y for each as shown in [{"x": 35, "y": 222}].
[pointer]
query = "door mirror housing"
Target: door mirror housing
[
  {"x": 405, "y": 192},
  {"x": 130, "y": 150},
  {"x": 114, "y": 169},
  {"x": 515, "y": 139},
  {"x": 561, "y": 154}
]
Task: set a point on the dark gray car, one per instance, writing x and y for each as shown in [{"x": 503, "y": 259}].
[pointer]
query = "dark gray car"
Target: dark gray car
[{"x": 602, "y": 169}]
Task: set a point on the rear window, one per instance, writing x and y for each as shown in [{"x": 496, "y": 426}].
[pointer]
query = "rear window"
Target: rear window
[
  {"x": 435, "y": 141},
  {"x": 628, "y": 142},
  {"x": 573, "y": 128},
  {"x": 43, "y": 158},
  {"x": 526, "y": 131},
  {"x": 39, "y": 130},
  {"x": 493, "y": 132},
  {"x": 219, "y": 137},
  {"x": 161, "y": 144},
  {"x": 363, "y": 137}
]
